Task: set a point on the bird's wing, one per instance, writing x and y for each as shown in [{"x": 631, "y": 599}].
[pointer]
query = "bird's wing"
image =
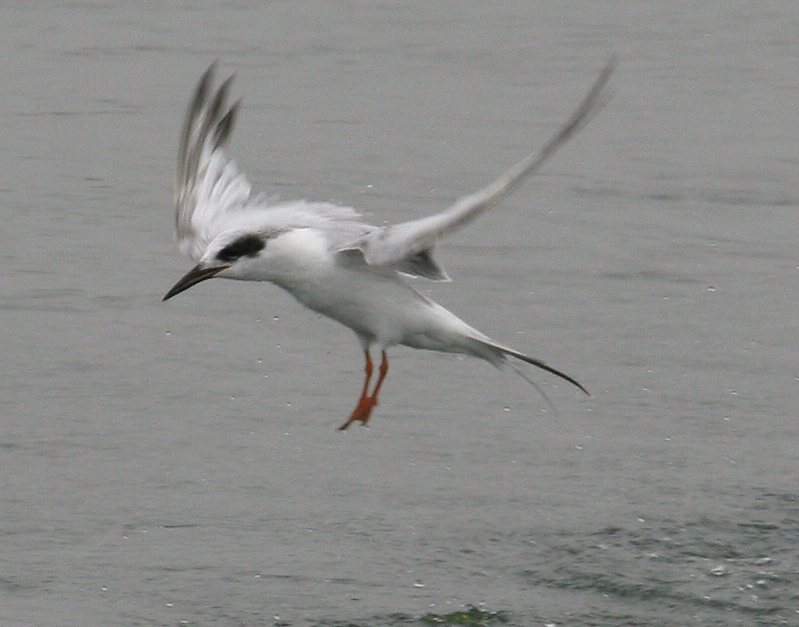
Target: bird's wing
[
  {"x": 412, "y": 242},
  {"x": 208, "y": 183},
  {"x": 212, "y": 194}
]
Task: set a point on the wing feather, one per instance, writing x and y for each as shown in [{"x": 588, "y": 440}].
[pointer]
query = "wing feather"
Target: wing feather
[
  {"x": 212, "y": 193},
  {"x": 394, "y": 244},
  {"x": 208, "y": 183}
]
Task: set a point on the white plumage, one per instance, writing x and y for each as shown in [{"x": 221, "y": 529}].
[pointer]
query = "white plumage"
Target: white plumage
[{"x": 324, "y": 254}]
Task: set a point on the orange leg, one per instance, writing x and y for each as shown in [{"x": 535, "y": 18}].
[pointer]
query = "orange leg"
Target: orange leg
[{"x": 367, "y": 401}]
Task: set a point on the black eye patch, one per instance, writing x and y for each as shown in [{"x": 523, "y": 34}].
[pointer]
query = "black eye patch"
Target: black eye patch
[{"x": 249, "y": 245}]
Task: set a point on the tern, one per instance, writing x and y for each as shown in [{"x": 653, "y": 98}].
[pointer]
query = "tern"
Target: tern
[{"x": 325, "y": 255}]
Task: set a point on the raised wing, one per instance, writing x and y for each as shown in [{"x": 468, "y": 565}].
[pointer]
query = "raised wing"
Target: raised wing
[
  {"x": 396, "y": 245},
  {"x": 208, "y": 183}
]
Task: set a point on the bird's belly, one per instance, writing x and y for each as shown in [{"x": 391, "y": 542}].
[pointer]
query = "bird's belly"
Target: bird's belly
[{"x": 379, "y": 308}]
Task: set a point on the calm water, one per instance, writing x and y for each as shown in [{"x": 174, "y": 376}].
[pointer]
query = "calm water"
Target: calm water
[{"x": 178, "y": 464}]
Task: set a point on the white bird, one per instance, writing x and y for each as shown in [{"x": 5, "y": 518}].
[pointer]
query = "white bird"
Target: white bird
[{"x": 325, "y": 255}]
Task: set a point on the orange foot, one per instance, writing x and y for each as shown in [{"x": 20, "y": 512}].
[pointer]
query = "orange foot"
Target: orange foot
[{"x": 367, "y": 402}]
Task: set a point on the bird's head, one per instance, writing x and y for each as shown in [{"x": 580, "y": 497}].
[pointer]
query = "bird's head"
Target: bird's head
[{"x": 229, "y": 256}]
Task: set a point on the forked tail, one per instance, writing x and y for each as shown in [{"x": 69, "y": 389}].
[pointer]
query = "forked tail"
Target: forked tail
[
  {"x": 498, "y": 355},
  {"x": 540, "y": 364}
]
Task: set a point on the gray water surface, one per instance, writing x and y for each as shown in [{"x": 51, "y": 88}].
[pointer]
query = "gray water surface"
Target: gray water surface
[{"x": 178, "y": 464}]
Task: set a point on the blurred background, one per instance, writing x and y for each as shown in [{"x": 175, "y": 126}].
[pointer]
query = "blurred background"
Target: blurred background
[{"x": 178, "y": 464}]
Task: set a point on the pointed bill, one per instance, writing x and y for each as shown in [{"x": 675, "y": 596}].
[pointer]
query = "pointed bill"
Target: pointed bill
[{"x": 192, "y": 277}]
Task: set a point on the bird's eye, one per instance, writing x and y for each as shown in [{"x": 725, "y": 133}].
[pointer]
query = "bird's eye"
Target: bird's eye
[{"x": 247, "y": 245}]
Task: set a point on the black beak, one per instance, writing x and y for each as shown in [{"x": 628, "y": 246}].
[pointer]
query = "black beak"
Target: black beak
[{"x": 192, "y": 277}]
